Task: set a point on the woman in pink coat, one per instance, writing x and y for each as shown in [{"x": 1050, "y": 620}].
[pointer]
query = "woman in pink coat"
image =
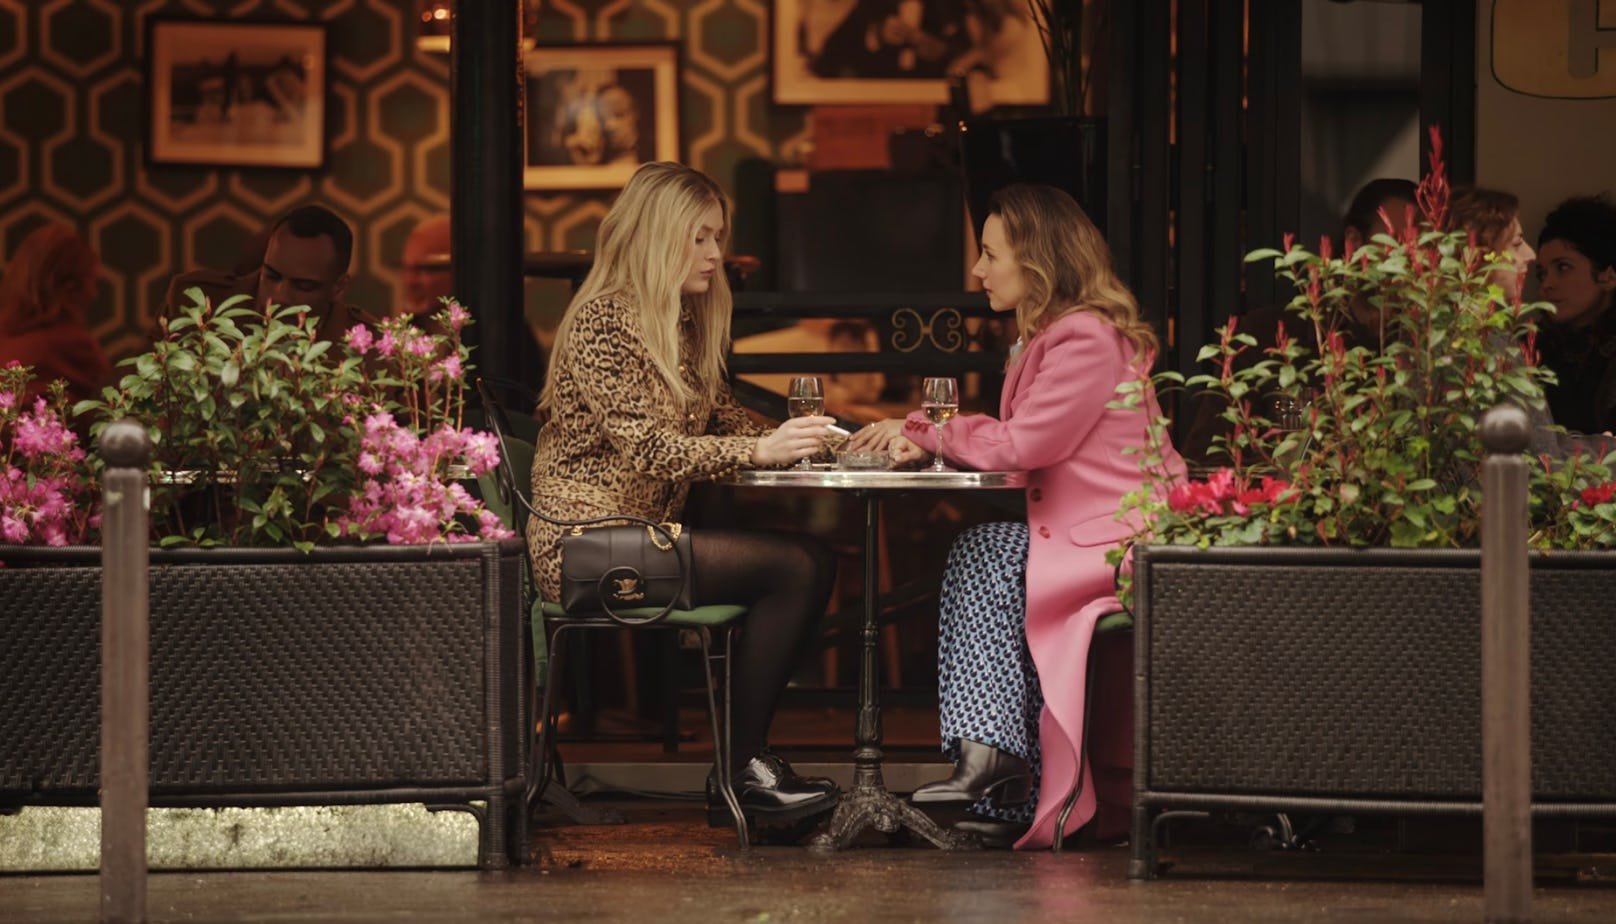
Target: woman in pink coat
[{"x": 1020, "y": 600}]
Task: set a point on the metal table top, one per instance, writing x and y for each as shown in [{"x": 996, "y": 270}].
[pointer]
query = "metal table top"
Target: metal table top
[{"x": 825, "y": 475}]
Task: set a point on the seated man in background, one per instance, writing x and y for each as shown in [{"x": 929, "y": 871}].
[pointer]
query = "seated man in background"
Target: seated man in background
[
  {"x": 1393, "y": 198},
  {"x": 1576, "y": 271},
  {"x": 427, "y": 275},
  {"x": 305, "y": 263}
]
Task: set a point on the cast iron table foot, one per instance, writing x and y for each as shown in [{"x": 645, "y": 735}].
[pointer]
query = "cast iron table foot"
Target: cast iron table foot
[{"x": 872, "y": 806}]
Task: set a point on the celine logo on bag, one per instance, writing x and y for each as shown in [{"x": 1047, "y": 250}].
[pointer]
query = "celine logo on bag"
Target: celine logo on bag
[{"x": 628, "y": 589}]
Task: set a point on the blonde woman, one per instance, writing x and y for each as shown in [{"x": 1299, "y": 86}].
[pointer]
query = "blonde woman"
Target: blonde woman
[
  {"x": 45, "y": 301},
  {"x": 1020, "y": 601},
  {"x": 636, "y": 406}
]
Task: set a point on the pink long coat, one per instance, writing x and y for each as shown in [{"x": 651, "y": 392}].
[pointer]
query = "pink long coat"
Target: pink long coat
[{"x": 1054, "y": 424}]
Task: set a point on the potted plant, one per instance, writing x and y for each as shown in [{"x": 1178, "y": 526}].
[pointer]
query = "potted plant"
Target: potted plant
[
  {"x": 1308, "y": 618},
  {"x": 334, "y": 619}
]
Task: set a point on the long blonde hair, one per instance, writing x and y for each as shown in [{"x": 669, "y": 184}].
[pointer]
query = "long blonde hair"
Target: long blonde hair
[
  {"x": 642, "y": 256},
  {"x": 1066, "y": 265},
  {"x": 51, "y": 277}
]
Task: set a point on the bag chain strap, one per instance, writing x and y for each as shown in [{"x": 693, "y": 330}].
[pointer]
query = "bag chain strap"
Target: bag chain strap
[{"x": 674, "y": 529}]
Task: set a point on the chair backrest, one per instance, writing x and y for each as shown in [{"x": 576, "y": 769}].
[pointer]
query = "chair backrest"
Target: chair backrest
[
  {"x": 509, "y": 493},
  {"x": 510, "y": 483}
]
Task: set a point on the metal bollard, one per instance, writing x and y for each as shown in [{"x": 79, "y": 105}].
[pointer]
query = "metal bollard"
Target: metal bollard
[
  {"x": 1506, "y": 708},
  {"x": 125, "y": 670}
]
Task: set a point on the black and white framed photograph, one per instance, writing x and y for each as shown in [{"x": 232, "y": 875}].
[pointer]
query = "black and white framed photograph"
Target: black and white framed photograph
[
  {"x": 595, "y": 113},
  {"x": 901, "y": 51},
  {"x": 238, "y": 94}
]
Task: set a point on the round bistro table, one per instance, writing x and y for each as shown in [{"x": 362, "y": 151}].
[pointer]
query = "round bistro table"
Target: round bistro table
[{"x": 868, "y": 803}]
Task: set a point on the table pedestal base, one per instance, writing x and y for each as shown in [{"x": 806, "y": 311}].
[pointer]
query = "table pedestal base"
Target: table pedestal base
[{"x": 869, "y": 805}]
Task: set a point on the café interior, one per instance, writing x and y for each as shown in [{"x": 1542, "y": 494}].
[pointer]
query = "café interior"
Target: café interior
[{"x": 472, "y": 151}]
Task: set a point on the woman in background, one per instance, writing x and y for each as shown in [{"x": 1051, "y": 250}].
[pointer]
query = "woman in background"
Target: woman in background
[
  {"x": 45, "y": 301},
  {"x": 1020, "y": 601},
  {"x": 1493, "y": 217},
  {"x": 1576, "y": 271}
]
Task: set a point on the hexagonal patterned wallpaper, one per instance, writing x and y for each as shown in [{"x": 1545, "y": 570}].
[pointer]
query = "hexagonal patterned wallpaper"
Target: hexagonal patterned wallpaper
[{"x": 72, "y": 135}]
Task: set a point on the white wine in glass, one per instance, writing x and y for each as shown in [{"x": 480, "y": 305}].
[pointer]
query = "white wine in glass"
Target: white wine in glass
[
  {"x": 806, "y": 398},
  {"x": 939, "y": 399}
]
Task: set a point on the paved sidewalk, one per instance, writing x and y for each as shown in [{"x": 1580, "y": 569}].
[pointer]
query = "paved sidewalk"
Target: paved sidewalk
[{"x": 666, "y": 865}]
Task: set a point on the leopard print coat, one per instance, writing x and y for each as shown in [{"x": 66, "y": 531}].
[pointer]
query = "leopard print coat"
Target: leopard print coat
[{"x": 615, "y": 441}]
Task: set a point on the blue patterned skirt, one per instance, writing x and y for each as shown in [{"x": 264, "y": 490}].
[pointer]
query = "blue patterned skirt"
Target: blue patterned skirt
[{"x": 987, "y": 684}]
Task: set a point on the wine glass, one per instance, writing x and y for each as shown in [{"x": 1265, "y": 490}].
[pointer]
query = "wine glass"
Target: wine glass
[
  {"x": 806, "y": 398},
  {"x": 939, "y": 398}
]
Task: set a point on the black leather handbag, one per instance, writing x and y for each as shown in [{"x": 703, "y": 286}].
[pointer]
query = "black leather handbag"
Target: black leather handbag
[{"x": 612, "y": 568}]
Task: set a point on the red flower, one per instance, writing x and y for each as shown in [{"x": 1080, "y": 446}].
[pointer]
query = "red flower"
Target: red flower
[
  {"x": 1599, "y": 494},
  {"x": 1277, "y": 492},
  {"x": 1219, "y": 495},
  {"x": 1202, "y": 496}
]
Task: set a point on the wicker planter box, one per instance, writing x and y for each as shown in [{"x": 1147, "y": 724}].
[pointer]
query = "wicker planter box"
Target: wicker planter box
[
  {"x": 362, "y": 675},
  {"x": 1312, "y": 680}
]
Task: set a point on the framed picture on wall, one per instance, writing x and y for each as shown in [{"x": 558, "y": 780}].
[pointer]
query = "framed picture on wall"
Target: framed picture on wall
[
  {"x": 236, "y": 94},
  {"x": 595, "y": 113},
  {"x": 830, "y": 52}
]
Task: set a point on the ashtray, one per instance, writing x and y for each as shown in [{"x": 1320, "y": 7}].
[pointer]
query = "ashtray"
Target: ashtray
[{"x": 863, "y": 459}]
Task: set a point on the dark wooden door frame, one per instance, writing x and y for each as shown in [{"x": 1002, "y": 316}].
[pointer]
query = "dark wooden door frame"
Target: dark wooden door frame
[{"x": 1205, "y": 149}]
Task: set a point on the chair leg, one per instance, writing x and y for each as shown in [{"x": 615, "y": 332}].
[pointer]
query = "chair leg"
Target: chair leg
[
  {"x": 721, "y": 735},
  {"x": 539, "y": 766},
  {"x": 670, "y": 689},
  {"x": 1082, "y": 754}
]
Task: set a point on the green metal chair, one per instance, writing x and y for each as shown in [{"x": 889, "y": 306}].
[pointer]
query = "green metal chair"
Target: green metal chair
[{"x": 508, "y": 494}]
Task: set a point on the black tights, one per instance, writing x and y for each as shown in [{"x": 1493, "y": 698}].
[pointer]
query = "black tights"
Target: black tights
[{"x": 784, "y": 580}]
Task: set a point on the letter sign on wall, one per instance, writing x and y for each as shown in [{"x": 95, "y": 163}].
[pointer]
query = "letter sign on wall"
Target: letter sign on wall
[{"x": 1564, "y": 49}]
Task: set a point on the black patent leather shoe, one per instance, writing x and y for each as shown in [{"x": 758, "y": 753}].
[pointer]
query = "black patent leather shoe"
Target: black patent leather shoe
[
  {"x": 994, "y": 834},
  {"x": 983, "y": 770},
  {"x": 769, "y": 791}
]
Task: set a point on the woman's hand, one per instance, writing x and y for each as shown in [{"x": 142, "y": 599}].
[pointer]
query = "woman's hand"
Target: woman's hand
[
  {"x": 877, "y": 436},
  {"x": 903, "y": 451},
  {"x": 797, "y": 438}
]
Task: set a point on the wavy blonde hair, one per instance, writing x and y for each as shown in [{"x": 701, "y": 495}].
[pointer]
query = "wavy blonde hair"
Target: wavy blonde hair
[
  {"x": 1066, "y": 265},
  {"x": 51, "y": 276},
  {"x": 642, "y": 256}
]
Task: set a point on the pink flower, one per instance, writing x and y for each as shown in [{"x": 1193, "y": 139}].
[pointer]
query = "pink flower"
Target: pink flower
[
  {"x": 490, "y": 527},
  {"x": 360, "y": 339},
  {"x": 8, "y": 400},
  {"x": 387, "y": 345},
  {"x": 458, "y": 316},
  {"x": 448, "y": 368}
]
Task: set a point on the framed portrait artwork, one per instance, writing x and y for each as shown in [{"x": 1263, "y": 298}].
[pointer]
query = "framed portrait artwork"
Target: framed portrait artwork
[
  {"x": 236, "y": 94},
  {"x": 595, "y": 113},
  {"x": 900, "y": 51}
]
